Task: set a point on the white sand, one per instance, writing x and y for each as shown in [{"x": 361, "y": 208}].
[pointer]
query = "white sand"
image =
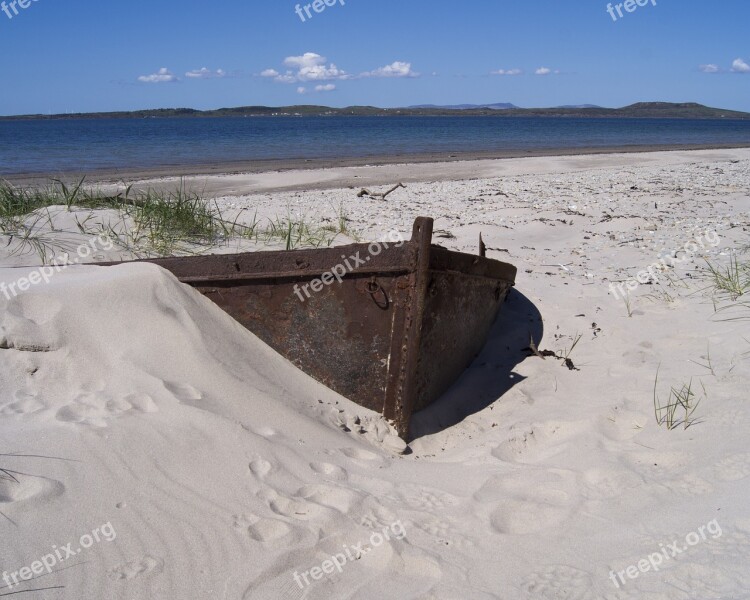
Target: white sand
[{"x": 224, "y": 470}]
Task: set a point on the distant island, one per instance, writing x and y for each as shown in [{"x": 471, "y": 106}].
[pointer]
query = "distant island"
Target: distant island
[{"x": 640, "y": 110}]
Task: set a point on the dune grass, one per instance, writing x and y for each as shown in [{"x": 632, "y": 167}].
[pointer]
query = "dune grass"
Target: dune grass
[
  {"x": 729, "y": 287},
  {"x": 164, "y": 222},
  {"x": 153, "y": 222},
  {"x": 680, "y": 407},
  {"x": 732, "y": 280}
]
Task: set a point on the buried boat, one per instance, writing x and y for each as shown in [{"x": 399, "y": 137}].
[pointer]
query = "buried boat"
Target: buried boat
[{"x": 388, "y": 325}]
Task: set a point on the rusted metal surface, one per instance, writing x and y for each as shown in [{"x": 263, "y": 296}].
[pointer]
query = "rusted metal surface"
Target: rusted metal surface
[{"x": 393, "y": 335}]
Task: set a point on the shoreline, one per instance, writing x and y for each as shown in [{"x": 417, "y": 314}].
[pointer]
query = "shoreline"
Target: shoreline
[{"x": 265, "y": 166}]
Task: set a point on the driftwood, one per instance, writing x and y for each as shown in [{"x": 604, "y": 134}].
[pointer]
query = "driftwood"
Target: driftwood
[{"x": 365, "y": 192}]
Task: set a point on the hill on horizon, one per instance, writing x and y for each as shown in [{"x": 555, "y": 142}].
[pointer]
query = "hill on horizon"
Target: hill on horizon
[{"x": 639, "y": 110}]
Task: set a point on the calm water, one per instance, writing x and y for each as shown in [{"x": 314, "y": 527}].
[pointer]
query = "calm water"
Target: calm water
[{"x": 87, "y": 145}]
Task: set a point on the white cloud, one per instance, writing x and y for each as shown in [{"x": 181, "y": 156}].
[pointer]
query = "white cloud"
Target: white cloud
[
  {"x": 162, "y": 76},
  {"x": 396, "y": 69},
  {"x": 709, "y": 68},
  {"x": 308, "y": 59},
  {"x": 308, "y": 67},
  {"x": 205, "y": 73},
  {"x": 301, "y": 90},
  {"x": 740, "y": 66},
  {"x": 507, "y": 72},
  {"x": 321, "y": 73},
  {"x": 312, "y": 67},
  {"x": 543, "y": 71}
]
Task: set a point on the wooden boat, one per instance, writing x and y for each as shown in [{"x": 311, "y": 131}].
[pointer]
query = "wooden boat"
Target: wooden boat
[{"x": 388, "y": 325}]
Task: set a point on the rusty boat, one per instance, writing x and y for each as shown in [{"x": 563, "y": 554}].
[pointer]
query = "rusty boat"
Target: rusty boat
[{"x": 392, "y": 333}]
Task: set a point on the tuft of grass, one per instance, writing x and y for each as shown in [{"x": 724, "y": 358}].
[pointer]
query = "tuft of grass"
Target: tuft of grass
[
  {"x": 565, "y": 354},
  {"x": 24, "y": 210},
  {"x": 166, "y": 222},
  {"x": 732, "y": 280},
  {"x": 296, "y": 233},
  {"x": 708, "y": 364},
  {"x": 628, "y": 304},
  {"x": 680, "y": 407}
]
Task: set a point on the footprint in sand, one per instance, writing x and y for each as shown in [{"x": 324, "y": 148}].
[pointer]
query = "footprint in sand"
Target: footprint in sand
[
  {"x": 339, "y": 499},
  {"x": 603, "y": 484},
  {"x": 82, "y": 414},
  {"x": 26, "y": 487},
  {"x": 274, "y": 533},
  {"x": 267, "y": 530},
  {"x": 528, "y": 502},
  {"x": 260, "y": 467},
  {"x": 262, "y": 530},
  {"x": 560, "y": 582},
  {"x": 359, "y": 454},
  {"x": 96, "y": 408},
  {"x": 424, "y": 498},
  {"x": 374, "y": 515},
  {"x": 183, "y": 392},
  {"x": 148, "y": 565},
  {"x": 330, "y": 471},
  {"x": 658, "y": 463},
  {"x": 294, "y": 508},
  {"x": 118, "y": 406},
  {"x": 538, "y": 441},
  {"x": 444, "y": 531},
  {"x": 521, "y": 517},
  {"x": 24, "y": 404},
  {"x": 733, "y": 468},
  {"x": 555, "y": 486},
  {"x": 142, "y": 402}
]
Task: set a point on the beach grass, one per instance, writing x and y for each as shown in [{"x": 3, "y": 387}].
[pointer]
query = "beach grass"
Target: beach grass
[
  {"x": 680, "y": 407},
  {"x": 297, "y": 232},
  {"x": 154, "y": 222},
  {"x": 732, "y": 280}
]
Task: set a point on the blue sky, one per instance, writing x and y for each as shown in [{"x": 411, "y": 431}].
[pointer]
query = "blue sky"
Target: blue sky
[{"x": 82, "y": 56}]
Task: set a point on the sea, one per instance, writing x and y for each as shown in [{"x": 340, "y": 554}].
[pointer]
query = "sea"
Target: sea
[{"x": 91, "y": 145}]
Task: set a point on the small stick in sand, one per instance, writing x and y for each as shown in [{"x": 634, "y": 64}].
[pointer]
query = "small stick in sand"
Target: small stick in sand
[
  {"x": 535, "y": 351},
  {"x": 365, "y": 192}
]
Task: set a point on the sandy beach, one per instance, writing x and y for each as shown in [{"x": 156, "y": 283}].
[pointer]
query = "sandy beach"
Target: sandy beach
[{"x": 177, "y": 456}]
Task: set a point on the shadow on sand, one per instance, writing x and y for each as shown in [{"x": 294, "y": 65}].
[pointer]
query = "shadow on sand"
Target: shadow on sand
[{"x": 491, "y": 374}]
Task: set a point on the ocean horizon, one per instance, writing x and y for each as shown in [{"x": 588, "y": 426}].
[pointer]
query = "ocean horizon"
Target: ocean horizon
[{"x": 86, "y": 145}]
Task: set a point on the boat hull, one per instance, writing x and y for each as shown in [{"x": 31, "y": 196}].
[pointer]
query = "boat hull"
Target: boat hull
[{"x": 392, "y": 333}]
